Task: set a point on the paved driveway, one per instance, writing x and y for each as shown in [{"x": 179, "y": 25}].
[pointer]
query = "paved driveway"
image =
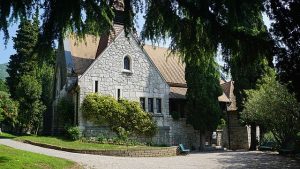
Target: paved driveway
[{"x": 193, "y": 161}]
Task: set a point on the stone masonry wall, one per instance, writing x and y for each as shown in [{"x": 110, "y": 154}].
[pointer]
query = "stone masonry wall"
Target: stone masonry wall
[
  {"x": 182, "y": 133},
  {"x": 238, "y": 134}
]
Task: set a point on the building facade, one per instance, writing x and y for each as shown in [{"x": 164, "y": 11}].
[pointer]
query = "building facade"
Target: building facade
[{"x": 118, "y": 65}]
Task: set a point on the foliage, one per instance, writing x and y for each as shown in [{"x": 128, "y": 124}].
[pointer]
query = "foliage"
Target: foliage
[
  {"x": 135, "y": 120},
  {"x": 3, "y": 73},
  {"x": 175, "y": 115},
  {"x": 45, "y": 75},
  {"x": 268, "y": 137},
  {"x": 3, "y": 86},
  {"x": 274, "y": 108},
  {"x": 14, "y": 158},
  {"x": 65, "y": 109},
  {"x": 25, "y": 60},
  {"x": 286, "y": 32},
  {"x": 222, "y": 124},
  {"x": 79, "y": 144},
  {"x": 8, "y": 109},
  {"x": 100, "y": 109},
  {"x": 29, "y": 94},
  {"x": 116, "y": 140},
  {"x": 73, "y": 132},
  {"x": 125, "y": 117}
]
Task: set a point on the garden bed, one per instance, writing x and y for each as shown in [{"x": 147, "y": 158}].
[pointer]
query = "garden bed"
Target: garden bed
[{"x": 99, "y": 149}]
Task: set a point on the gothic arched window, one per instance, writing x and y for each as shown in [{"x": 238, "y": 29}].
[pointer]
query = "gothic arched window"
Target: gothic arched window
[{"x": 127, "y": 63}]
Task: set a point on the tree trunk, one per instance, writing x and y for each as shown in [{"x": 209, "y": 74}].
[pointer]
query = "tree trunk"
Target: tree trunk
[
  {"x": 202, "y": 141},
  {"x": 253, "y": 137}
]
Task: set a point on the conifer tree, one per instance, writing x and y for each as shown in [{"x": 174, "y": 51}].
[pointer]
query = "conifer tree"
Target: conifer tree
[{"x": 25, "y": 60}]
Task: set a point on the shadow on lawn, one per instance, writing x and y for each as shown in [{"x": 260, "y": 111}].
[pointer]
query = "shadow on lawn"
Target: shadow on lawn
[
  {"x": 7, "y": 136},
  {"x": 4, "y": 159},
  {"x": 258, "y": 160}
]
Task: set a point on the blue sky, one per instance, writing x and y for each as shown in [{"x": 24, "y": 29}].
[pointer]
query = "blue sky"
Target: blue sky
[{"x": 5, "y": 52}]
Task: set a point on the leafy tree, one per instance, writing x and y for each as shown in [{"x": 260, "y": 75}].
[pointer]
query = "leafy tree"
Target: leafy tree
[
  {"x": 272, "y": 107},
  {"x": 286, "y": 31},
  {"x": 125, "y": 117},
  {"x": 3, "y": 86},
  {"x": 8, "y": 109},
  {"x": 29, "y": 92}
]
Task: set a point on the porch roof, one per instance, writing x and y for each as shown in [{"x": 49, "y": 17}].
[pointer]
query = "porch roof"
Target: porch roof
[{"x": 180, "y": 92}]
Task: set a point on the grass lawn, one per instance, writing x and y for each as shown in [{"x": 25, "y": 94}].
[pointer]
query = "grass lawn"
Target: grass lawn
[
  {"x": 79, "y": 145},
  {"x": 18, "y": 159},
  {"x": 7, "y": 135}
]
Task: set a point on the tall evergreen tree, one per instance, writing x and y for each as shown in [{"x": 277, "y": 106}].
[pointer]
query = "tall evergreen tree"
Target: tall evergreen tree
[
  {"x": 26, "y": 68},
  {"x": 25, "y": 60},
  {"x": 286, "y": 30},
  {"x": 202, "y": 96}
]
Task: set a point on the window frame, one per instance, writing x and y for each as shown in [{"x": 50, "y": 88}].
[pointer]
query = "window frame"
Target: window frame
[
  {"x": 96, "y": 86},
  {"x": 143, "y": 104},
  {"x": 158, "y": 108},
  {"x": 150, "y": 106},
  {"x": 126, "y": 57}
]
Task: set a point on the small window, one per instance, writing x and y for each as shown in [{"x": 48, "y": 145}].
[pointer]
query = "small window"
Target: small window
[
  {"x": 150, "y": 105},
  {"x": 143, "y": 103},
  {"x": 127, "y": 63},
  {"x": 96, "y": 86},
  {"x": 158, "y": 105},
  {"x": 119, "y": 94}
]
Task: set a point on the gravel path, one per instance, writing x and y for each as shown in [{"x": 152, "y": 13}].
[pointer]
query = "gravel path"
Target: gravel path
[{"x": 193, "y": 161}]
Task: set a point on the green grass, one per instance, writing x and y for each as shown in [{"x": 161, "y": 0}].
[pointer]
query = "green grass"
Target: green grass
[
  {"x": 7, "y": 135},
  {"x": 78, "y": 145},
  {"x": 18, "y": 159}
]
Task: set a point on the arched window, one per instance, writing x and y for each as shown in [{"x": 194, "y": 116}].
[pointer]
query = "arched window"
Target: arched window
[{"x": 127, "y": 63}]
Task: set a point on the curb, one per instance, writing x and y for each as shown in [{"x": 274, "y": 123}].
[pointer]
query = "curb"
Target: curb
[{"x": 159, "y": 152}]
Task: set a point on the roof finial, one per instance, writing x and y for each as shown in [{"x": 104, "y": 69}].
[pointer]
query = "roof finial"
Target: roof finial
[{"x": 118, "y": 5}]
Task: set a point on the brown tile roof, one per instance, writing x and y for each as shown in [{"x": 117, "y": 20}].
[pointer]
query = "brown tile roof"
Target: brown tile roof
[
  {"x": 228, "y": 88},
  {"x": 83, "y": 52},
  {"x": 108, "y": 38},
  {"x": 180, "y": 92},
  {"x": 177, "y": 92},
  {"x": 172, "y": 69},
  {"x": 169, "y": 65}
]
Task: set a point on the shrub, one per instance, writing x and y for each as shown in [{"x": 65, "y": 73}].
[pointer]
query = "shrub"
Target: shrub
[
  {"x": 99, "y": 109},
  {"x": 222, "y": 124},
  {"x": 8, "y": 109},
  {"x": 175, "y": 115},
  {"x": 125, "y": 117},
  {"x": 73, "y": 132},
  {"x": 65, "y": 108}
]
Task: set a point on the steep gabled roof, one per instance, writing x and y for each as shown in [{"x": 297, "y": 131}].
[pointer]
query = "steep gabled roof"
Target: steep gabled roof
[
  {"x": 170, "y": 65},
  {"x": 82, "y": 51},
  {"x": 173, "y": 70},
  {"x": 228, "y": 88}
]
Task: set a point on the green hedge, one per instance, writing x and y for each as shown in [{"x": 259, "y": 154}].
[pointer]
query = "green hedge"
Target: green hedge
[{"x": 124, "y": 117}]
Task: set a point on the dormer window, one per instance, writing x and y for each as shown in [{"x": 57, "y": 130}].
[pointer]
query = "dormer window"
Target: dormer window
[{"x": 127, "y": 65}]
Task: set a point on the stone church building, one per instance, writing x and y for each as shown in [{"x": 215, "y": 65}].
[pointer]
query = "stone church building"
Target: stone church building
[{"x": 120, "y": 66}]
